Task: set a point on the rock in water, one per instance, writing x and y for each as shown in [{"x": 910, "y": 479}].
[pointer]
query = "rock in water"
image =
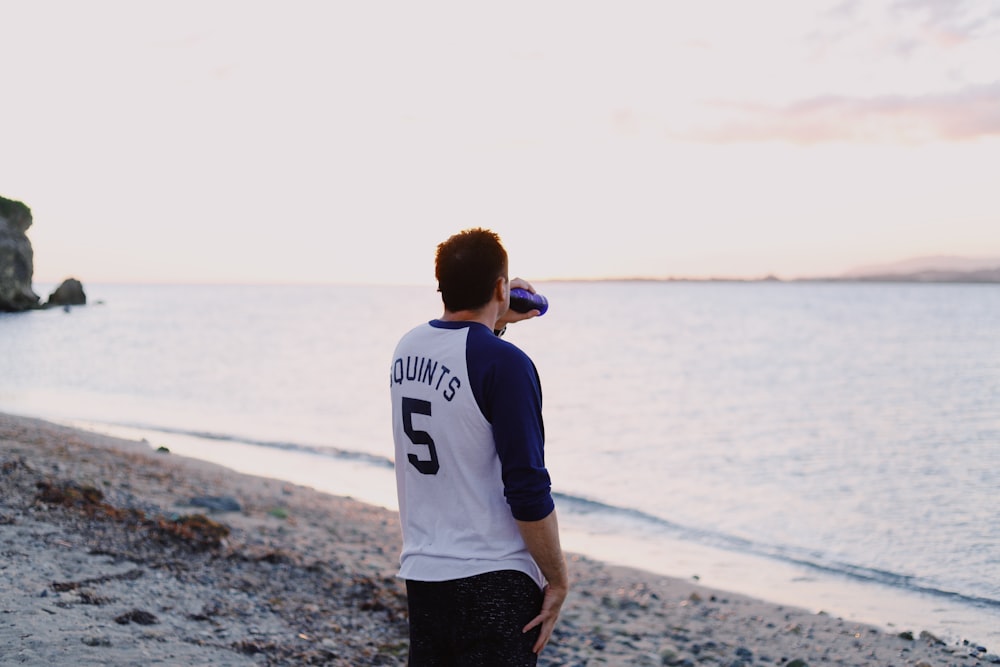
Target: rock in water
[
  {"x": 70, "y": 293},
  {"x": 16, "y": 258}
]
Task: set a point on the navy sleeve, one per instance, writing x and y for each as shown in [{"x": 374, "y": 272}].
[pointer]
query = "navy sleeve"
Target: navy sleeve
[{"x": 510, "y": 397}]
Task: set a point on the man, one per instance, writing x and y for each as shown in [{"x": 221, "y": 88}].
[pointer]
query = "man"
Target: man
[{"x": 485, "y": 573}]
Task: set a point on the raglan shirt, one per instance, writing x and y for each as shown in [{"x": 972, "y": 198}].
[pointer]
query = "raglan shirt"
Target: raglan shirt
[{"x": 469, "y": 445}]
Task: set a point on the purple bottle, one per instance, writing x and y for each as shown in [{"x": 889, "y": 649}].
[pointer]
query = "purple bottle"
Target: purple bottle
[{"x": 521, "y": 300}]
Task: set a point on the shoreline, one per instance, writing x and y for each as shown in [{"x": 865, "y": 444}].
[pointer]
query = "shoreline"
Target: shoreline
[
  {"x": 106, "y": 561},
  {"x": 617, "y": 540}
]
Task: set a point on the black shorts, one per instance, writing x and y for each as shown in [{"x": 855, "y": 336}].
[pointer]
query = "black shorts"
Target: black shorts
[{"x": 474, "y": 622}]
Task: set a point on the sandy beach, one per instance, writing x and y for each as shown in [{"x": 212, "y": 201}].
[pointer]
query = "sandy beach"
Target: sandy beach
[{"x": 117, "y": 554}]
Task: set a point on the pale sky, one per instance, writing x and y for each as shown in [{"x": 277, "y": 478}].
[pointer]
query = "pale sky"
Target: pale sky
[{"x": 295, "y": 141}]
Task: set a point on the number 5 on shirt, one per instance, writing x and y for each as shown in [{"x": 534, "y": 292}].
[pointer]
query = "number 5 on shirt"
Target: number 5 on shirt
[{"x": 420, "y": 407}]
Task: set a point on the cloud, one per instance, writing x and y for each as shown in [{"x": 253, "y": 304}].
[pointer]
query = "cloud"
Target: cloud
[
  {"x": 967, "y": 114},
  {"x": 904, "y": 29},
  {"x": 956, "y": 21}
]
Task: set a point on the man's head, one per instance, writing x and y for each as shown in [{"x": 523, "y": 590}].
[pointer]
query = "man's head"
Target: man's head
[{"x": 467, "y": 267}]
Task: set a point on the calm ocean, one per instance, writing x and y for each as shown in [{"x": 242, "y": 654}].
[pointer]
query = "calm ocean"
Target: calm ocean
[{"x": 832, "y": 446}]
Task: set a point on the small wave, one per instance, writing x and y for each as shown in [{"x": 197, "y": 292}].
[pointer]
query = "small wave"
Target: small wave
[
  {"x": 643, "y": 521},
  {"x": 329, "y": 452},
  {"x": 807, "y": 559}
]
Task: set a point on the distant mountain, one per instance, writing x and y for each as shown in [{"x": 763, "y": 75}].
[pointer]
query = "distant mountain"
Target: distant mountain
[
  {"x": 922, "y": 264},
  {"x": 940, "y": 268}
]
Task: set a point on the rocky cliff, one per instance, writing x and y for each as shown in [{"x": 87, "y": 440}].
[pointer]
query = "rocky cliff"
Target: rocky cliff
[{"x": 16, "y": 258}]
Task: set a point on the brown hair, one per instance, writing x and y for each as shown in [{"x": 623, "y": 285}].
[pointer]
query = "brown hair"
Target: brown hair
[{"x": 466, "y": 267}]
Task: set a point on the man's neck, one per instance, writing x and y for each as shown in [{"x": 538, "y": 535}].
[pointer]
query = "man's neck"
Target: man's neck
[{"x": 487, "y": 315}]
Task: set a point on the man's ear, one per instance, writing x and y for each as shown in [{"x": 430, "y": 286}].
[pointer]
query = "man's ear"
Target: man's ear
[{"x": 498, "y": 288}]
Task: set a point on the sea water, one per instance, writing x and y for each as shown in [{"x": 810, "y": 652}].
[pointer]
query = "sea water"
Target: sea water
[{"x": 830, "y": 445}]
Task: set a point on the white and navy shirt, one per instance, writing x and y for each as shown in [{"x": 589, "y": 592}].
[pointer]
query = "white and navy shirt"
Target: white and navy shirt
[{"x": 467, "y": 425}]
